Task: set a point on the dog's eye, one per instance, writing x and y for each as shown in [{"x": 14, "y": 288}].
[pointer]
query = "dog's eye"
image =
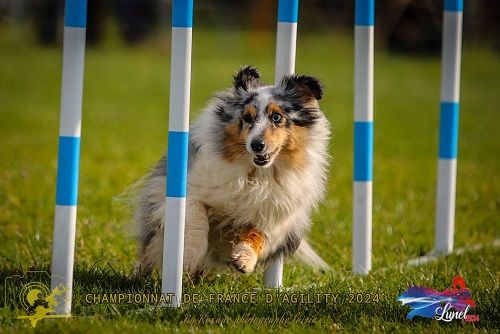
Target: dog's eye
[
  {"x": 275, "y": 117},
  {"x": 247, "y": 118}
]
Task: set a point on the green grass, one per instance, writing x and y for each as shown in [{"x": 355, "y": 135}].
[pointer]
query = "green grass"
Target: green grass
[{"x": 124, "y": 132}]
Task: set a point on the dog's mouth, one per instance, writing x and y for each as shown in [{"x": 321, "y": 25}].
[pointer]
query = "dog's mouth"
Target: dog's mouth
[{"x": 264, "y": 159}]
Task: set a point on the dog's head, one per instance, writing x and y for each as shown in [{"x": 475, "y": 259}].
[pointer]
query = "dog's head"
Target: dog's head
[{"x": 265, "y": 123}]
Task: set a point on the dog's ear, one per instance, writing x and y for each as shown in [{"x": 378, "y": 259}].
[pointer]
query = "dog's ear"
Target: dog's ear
[
  {"x": 246, "y": 78},
  {"x": 303, "y": 85}
]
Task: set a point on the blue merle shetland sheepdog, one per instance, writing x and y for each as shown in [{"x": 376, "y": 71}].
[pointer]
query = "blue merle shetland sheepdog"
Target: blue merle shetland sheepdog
[{"x": 258, "y": 158}]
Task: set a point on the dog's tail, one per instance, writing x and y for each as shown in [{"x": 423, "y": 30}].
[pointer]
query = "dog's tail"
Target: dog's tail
[{"x": 305, "y": 253}]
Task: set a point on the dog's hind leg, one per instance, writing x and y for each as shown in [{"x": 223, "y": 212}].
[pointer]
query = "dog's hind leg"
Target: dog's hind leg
[
  {"x": 149, "y": 219},
  {"x": 195, "y": 235},
  {"x": 152, "y": 254}
]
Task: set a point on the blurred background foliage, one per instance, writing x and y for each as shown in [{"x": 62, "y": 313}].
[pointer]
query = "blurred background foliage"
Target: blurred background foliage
[{"x": 408, "y": 26}]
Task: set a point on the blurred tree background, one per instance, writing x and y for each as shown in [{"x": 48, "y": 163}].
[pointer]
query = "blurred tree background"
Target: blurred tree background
[{"x": 403, "y": 26}]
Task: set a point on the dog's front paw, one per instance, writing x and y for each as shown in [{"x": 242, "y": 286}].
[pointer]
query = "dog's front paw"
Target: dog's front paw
[
  {"x": 190, "y": 264},
  {"x": 193, "y": 255},
  {"x": 243, "y": 258}
]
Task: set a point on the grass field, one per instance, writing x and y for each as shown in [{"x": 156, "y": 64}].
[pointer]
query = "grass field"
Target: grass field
[{"x": 124, "y": 133}]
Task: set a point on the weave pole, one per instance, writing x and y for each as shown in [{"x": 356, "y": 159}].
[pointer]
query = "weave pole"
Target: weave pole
[
  {"x": 363, "y": 136},
  {"x": 286, "y": 41},
  {"x": 448, "y": 130},
  {"x": 68, "y": 162},
  {"x": 177, "y": 155}
]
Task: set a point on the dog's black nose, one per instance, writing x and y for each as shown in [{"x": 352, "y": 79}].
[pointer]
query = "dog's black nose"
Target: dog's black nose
[{"x": 257, "y": 145}]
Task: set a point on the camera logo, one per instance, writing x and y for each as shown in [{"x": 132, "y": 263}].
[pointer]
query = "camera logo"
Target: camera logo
[{"x": 31, "y": 296}]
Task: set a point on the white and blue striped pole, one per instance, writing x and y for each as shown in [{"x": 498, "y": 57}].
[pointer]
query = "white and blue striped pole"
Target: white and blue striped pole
[
  {"x": 363, "y": 136},
  {"x": 286, "y": 41},
  {"x": 177, "y": 156},
  {"x": 63, "y": 250},
  {"x": 448, "y": 131}
]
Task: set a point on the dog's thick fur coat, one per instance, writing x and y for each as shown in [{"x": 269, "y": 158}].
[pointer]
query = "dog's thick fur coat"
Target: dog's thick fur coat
[{"x": 257, "y": 168}]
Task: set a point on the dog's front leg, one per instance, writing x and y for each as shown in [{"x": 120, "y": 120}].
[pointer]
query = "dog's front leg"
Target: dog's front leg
[
  {"x": 195, "y": 235},
  {"x": 247, "y": 249}
]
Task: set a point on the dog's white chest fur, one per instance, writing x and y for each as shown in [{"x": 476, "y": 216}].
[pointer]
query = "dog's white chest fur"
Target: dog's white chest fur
[{"x": 242, "y": 195}]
